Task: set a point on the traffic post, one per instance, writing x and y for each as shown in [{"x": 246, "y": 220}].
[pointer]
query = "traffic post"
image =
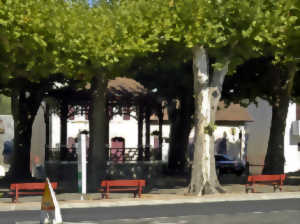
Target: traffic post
[{"x": 50, "y": 210}]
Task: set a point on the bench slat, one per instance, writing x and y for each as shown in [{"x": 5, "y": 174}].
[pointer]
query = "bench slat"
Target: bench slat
[
  {"x": 120, "y": 189},
  {"x": 31, "y": 186},
  {"x": 17, "y": 189},
  {"x": 122, "y": 185},
  {"x": 27, "y": 192},
  {"x": 266, "y": 177},
  {"x": 272, "y": 179}
]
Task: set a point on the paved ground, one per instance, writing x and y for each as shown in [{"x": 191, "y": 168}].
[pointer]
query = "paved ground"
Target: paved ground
[
  {"x": 263, "y": 211},
  {"x": 168, "y": 190}
]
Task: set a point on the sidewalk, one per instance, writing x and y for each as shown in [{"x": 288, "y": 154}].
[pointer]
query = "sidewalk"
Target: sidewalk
[
  {"x": 168, "y": 191},
  {"x": 73, "y": 200}
]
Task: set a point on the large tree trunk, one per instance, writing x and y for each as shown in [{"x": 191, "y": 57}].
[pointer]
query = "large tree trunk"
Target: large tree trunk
[
  {"x": 216, "y": 87},
  {"x": 25, "y": 105},
  {"x": 203, "y": 178},
  {"x": 97, "y": 158},
  {"x": 180, "y": 130},
  {"x": 283, "y": 84}
]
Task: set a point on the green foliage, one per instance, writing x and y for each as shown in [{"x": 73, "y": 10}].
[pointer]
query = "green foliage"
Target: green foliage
[
  {"x": 5, "y": 105},
  {"x": 209, "y": 129}
]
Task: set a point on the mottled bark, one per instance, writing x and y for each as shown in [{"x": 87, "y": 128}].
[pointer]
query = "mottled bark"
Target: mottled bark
[
  {"x": 216, "y": 87},
  {"x": 283, "y": 84},
  {"x": 203, "y": 178},
  {"x": 98, "y": 154}
]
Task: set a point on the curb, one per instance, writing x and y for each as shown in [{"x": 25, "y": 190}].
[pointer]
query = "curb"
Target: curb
[{"x": 165, "y": 199}]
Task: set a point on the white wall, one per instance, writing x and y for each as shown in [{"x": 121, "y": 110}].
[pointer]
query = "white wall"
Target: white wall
[
  {"x": 128, "y": 129},
  {"x": 259, "y": 132},
  {"x": 118, "y": 127},
  {"x": 235, "y": 145},
  {"x": 55, "y": 130},
  {"x": 38, "y": 141},
  {"x": 291, "y": 152},
  {"x": 75, "y": 126},
  {"x": 165, "y": 134},
  {"x": 8, "y": 125}
]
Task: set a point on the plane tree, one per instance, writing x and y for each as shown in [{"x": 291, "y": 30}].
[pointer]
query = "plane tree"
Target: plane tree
[
  {"x": 28, "y": 46},
  {"x": 171, "y": 77},
  {"x": 220, "y": 36},
  {"x": 274, "y": 78}
]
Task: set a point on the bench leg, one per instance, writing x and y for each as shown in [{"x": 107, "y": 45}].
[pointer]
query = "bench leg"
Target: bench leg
[
  {"x": 250, "y": 187},
  {"x": 16, "y": 195},
  {"x": 247, "y": 188},
  {"x": 140, "y": 191},
  {"x": 276, "y": 186}
]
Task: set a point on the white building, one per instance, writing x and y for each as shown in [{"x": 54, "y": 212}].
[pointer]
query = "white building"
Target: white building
[{"x": 259, "y": 132}]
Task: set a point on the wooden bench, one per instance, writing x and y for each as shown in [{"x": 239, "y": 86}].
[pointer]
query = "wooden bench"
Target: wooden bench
[
  {"x": 273, "y": 179},
  {"x": 17, "y": 189},
  {"x": 108, "y": 186}
]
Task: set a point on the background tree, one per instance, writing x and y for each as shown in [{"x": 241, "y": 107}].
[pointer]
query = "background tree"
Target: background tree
[
  {"x": 171, "y": 77},
  {"x": 273, "y": 78},
  {"x": 29, "y": 49},
  {"x": 221, "y": 35}
]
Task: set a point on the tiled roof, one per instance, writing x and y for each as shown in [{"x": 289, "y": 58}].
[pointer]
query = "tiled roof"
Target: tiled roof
[
  {"x": 122, "y": 85},
  {"x": 234, "y": 112}
]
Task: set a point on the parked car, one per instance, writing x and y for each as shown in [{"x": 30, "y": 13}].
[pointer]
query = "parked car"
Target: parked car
[{"x": 225, "y": 164}]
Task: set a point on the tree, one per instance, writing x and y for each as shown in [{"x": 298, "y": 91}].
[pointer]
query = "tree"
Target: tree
[
  {"x": 171, "y": 76},
  {"x": 273, "y": 78},
  {"x": 29, "y": 46},
  {"x": 221, "y": 35}
]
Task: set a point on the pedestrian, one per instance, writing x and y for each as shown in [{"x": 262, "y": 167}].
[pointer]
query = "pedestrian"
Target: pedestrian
[{"x": 8, "y": 151}]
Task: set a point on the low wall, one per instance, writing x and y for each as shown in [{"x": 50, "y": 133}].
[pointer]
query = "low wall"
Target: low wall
[{"x": 65, "y": 173}]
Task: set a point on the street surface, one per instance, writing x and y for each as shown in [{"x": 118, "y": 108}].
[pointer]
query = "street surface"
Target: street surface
[{"x": 266, "y": 211}]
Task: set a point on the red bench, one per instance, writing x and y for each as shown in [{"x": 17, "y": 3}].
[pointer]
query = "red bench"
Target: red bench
[
  {"x": 108, "y": 186},
  {"x": 17, "y": 189},
  {"x": 273, "y": 179}
]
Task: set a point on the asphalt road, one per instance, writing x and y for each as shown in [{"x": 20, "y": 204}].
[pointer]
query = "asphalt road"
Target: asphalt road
[{"x": 266, "y": 211}]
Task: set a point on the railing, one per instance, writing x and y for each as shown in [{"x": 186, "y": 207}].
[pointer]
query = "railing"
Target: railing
[
  {"x": 114, "y": 154},
  {"x": 55, "y": 154},
  {"x": 120, "y": 155}
]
